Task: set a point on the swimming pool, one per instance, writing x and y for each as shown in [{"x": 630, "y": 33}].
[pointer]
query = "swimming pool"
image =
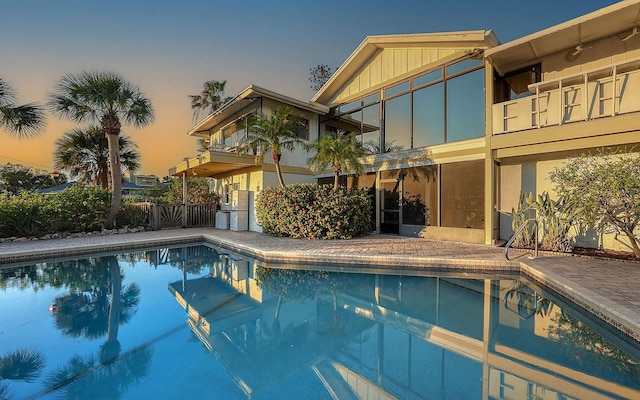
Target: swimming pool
[{"x": 201, "y": 321}]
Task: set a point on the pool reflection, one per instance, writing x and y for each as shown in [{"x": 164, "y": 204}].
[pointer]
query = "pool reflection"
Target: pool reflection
[{"x": 402, "y": 336}]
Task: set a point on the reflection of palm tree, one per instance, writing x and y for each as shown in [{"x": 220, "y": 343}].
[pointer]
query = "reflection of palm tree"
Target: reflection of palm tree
[
  {"x": 86, "y": 377},
  {"x": 22, "y": 364},
  {"x": 101, "y": 309},
  {"x": 529, "y": 302},
  {"x": 94, "y": 313},
  {"x": 373, "y": 147}
]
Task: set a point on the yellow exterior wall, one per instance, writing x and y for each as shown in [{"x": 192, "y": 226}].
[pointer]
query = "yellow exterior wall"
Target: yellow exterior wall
[
  {"x": 390, "y": 64},
  {"x": 595, "y": 55},
  {"x": 527, "y": 175}
]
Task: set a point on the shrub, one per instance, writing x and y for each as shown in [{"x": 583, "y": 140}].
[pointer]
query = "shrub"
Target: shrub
[
  {"x": 132, "y": 216},
  {"x": 603, "y": 192},
  {"x": 521, "y": 215},
  {"x": 78, "y": 209},
  {"x": 314, "y": 211},
  {"x": 22, "y": 215},
  {"x": 553, "y": 219}
]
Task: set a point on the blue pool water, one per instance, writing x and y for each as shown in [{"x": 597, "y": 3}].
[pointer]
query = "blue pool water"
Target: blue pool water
[{"x": 202, "y": 322}]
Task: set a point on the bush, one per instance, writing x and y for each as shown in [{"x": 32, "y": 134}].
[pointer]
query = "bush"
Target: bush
[
  {"x": 602, "y": 191},
  {"x": 78, "y": 209},
  {"x": 554, "y": 223},
  {"x": 314, "y": 211},
  {"x": 132, "y": 216},
  {"x": 22, "y": 215}
]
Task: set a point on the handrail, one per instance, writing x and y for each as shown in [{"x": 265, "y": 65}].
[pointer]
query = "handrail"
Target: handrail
[
  {"x": 513, "y": 238},
  {"x": 555, "y": 81}
]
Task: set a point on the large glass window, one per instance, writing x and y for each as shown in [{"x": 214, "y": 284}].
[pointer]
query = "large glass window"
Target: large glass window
[
  {"x": 371, "y": 128},
  {"x": 427, "y": 110},
  {"x": 428, "y": 116},
  {"x": 397, "y": 124},
  {"x": 465, "y": 106},
  {"x": 428, "y": 78},
  {"x": 462, "y": 194},
  {"x": 397, "y": 89}
]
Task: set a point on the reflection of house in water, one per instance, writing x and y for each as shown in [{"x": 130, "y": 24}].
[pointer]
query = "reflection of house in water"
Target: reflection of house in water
[{"x": 384, "y": 336}]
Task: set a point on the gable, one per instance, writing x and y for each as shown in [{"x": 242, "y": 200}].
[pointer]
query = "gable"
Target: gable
[
  {"x": 389, "y": 65},
  {"x": 383, "y": 60}
]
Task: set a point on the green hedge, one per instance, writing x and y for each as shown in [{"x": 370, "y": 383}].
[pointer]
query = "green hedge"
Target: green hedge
[
  {"x": 314, "y": 211},
  {"x": 77, "y": 209}
]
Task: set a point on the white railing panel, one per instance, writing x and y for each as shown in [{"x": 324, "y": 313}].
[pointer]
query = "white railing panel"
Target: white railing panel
[{"x": 571, "y": 103}]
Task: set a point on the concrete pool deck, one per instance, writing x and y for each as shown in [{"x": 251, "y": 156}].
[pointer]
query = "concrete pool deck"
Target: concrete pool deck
[{"x": 606, "y": 288}]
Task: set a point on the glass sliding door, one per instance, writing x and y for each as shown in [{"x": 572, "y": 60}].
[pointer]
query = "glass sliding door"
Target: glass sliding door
[{"x": 390, "y": 202}]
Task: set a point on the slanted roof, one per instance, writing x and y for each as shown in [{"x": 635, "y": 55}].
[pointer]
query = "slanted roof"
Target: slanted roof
[
  {"x": 619, "y": 18},
  {"x": 57, "y": 188},
  {"x": 246, "y": 97},
  {"x": 371, "y": 45}
]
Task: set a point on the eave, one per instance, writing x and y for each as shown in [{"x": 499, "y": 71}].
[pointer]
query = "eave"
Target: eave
[
  {"x": 619, "y": 18},
  {"x": 213, "y": 163},
  {"x": 244, "y": 99}
]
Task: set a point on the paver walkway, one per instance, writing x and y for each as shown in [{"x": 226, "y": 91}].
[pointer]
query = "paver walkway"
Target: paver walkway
[{"x": 606, "y": 288}]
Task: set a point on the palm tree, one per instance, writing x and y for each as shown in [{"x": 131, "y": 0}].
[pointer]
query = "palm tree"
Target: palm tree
[
  {"x": 342, "y": 152},
  {"x": 276, "y": 132},
  {"x": 22, "y": 120},
  {"x": 85, "y": 153},
  {"x": 107, "y": 98},
  {"x": 211, "y": 98}
]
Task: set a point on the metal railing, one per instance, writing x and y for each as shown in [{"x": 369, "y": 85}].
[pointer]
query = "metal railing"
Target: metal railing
[{"x": 515, "y": 235}]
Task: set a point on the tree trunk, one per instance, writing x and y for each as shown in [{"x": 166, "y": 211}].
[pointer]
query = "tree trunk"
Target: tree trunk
[
  {"x": 634, "y": 243},
  {"x": 276, "y": 161},
  {"x": 336, "y": 171},
  {"x": 111, "y": 347},
  {"x": 116, "y": 178},
  {"x": 111, "y": 127}
]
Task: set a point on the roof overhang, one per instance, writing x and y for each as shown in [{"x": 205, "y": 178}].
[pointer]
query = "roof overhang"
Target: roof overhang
[
  {"x": 619, "y": 18},
  {"x": 243, "y": 99},
  {"x": 476, "y": 39},
  {"x": 213, "y": 164}
]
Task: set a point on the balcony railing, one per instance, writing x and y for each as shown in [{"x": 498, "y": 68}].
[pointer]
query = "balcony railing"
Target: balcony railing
[{"x": 581, "y": 97}]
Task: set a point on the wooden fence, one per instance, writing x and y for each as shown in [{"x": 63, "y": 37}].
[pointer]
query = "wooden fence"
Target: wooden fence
[{"x": 161, "y": 216}]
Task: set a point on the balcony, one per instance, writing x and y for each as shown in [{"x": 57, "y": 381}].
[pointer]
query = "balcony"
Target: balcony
[
  {"x": 214, "y": 162},
  {"x": 580, "y": 97}
]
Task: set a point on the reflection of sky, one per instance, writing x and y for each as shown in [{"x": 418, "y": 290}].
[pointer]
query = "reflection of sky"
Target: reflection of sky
[{"x": 465, "y": 106}]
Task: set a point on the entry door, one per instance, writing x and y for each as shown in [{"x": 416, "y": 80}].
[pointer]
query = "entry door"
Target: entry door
[{"x": 390, "y": 206}]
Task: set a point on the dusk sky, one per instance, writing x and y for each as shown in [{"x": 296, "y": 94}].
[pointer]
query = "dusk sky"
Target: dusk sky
[{"x": 170, "y": 48}]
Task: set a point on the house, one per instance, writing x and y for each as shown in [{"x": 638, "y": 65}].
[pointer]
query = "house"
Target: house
[
  {"x": 232, "y": 172},
  {"x": 457, "y": 124}
]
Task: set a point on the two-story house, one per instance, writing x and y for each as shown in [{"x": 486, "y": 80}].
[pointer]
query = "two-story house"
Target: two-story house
[{"x": 457, "y": 125}]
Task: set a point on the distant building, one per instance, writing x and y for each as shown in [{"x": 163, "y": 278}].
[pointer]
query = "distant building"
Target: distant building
[{"x": 142, "y": 180}]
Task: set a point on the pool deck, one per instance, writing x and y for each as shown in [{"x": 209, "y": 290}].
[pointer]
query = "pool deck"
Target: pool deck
[{"x": 606, "y": 288}]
